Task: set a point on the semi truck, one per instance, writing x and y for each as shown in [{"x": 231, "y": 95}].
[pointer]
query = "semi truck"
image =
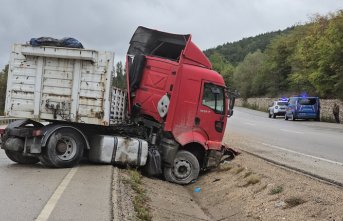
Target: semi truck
[{"x": 170, "y": 120}]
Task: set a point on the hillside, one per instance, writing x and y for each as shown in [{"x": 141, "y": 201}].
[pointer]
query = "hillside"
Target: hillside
[
  {"x": 301, "y": 59},
  {"x": 235, "y": 52}
]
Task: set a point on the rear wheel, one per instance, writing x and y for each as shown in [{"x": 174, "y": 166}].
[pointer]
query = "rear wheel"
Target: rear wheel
[
  {"x": 64, "y": 149},
  {"x": 185, "y": 169},
  {"x": 18, "y": 157}
]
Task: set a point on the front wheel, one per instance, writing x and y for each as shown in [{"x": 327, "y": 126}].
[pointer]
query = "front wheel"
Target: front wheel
[
  {"x": 185, "y": 169},
  {"x": 64, "y": 149},
  {"x": 18, "y": 157}
]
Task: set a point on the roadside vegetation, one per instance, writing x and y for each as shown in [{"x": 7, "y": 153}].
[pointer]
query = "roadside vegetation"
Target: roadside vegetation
[
  {"x": 3, "y": 85},
  {"x": 253, "y": 106},
  {"x": 303, "y": 58},
  {"x": 276, "y": 190},
  {"x": 140, "y": 199}
]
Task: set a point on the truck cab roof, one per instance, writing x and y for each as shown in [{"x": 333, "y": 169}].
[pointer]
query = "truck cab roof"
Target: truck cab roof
[{"x": 175, "y": 47}]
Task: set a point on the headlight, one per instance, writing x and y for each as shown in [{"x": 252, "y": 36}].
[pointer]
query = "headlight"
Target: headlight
[{"x": 276, "y": 107}]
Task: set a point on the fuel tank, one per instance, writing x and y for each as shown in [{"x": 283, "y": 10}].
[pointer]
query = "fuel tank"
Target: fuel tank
[{"x": 118, "y": 150}]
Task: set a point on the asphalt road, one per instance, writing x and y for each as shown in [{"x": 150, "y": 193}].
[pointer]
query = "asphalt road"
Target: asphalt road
[
  {"x": 32, "y": 192},
  {"x": 314, "y": 147}
]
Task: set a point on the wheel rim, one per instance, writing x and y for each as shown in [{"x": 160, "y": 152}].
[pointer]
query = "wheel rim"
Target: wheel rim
[
  {"x": 182, "y": 169},
  {"x": 66, "y": 148}
]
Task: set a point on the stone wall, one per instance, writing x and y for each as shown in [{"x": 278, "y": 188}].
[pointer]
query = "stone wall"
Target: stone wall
[{"x": 325, "y": 113}]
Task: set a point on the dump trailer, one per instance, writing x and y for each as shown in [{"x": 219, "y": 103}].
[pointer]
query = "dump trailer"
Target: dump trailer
[{"x": 170, "y": 120}]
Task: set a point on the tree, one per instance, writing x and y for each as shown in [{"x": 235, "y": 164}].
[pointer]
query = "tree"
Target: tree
[
  {"x": 3, "y": 86},
  {"x": 329, "y": 78},
  {"x": 249, "y": 75},
  {"x": 224, "y": 68},
  {"x": 278, "y": 65},
  {"x": 119, "y": 79}
]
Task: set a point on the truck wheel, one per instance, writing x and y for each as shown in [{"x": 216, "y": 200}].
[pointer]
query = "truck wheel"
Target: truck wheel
[
  {"x": 64, "y": 149},
  {"x": 274, "y": 115},
  {"x": 269, "y": 115},
  {"x": 18, "y": 157},
  {"x": 186, "y": 168},
  {"x": 44, "y": 160}
]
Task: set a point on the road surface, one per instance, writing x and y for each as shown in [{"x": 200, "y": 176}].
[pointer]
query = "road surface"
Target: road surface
[
  {"x": 313, "y": 147},
  {"x": 32, "y": 192}
]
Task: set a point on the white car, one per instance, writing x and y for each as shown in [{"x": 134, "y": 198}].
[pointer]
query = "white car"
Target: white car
[{"x": 277, "y": 108}]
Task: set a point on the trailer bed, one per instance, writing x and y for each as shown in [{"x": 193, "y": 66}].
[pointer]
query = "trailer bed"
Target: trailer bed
[{"x": 65, "y": 84}]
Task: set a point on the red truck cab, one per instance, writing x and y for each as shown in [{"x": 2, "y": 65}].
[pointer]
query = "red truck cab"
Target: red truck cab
[{"x": 171, "y": 84}]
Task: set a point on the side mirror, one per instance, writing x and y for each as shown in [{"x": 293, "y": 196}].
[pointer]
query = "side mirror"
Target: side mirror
[
  {"x": 231, "y": 105},
  {"x": 232, "y": 98}
]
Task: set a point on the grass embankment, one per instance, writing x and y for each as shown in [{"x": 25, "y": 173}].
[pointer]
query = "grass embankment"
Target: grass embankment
[{"x": 140, "y": 199}]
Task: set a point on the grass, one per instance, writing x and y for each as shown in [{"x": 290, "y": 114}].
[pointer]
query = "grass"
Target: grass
[
  {"x": 140, "y": 200},
  {"x": 294, "y": 201},
  {"x": 247, "y": 174},
  {"x": 252, "y": 181},
  {"x": 276, "y": 190},
  {"x": 239, "y": 170},
  {"x": 253, "y": 106},
  {"x": 327, "y": 119},
  {"x": 260, "y": 189},
  {"x": 224, "y": 167}
]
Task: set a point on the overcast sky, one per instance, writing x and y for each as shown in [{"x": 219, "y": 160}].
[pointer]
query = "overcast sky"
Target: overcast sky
[{"x": 109, "y": 24}]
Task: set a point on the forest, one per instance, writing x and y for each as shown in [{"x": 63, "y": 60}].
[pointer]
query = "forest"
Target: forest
[{"x": 306, "y": 58}]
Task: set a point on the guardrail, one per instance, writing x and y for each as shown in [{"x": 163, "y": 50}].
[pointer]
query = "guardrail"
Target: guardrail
[{"x": 7, "y": 120}]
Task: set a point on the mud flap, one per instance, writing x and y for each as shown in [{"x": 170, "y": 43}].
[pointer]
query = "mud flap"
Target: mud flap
[{"x": 153, "y": 165}]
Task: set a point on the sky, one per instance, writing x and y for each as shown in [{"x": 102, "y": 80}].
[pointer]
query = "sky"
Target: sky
[{"x": 109, "y": 24}]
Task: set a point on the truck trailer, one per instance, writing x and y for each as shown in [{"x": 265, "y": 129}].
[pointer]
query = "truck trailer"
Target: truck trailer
[{"x": 170, "y": 120}]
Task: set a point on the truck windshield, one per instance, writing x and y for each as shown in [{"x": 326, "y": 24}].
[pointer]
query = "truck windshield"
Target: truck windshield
[
  {"x": 307, "y": 101},
  {"x": 214, "y": 98}
]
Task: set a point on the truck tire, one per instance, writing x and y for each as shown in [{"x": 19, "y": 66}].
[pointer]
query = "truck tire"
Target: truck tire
[
  {"x": 274, "y": 115},
  {"x": 18, "y": 157},
  {"x": 43, "y": 159},
  {"x": 269, "y": 115},
  {"x": 185, "y": 169},
  {"x": 64, "y": 149}
]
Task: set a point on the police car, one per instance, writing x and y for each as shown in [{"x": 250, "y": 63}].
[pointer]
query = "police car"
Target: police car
[
  {"x": 278, "y": 108},
  {"x": 303, "y": 107}
]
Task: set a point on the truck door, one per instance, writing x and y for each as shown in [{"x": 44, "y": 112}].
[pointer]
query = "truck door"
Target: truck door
[{"x": 211, "y": 111}]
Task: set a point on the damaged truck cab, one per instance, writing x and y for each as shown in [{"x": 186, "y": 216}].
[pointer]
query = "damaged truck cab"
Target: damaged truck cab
[
  {"x": 171, "y": 84},
  {"x": 171, "y": 119}
]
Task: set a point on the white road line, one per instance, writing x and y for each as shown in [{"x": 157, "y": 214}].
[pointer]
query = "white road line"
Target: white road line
[
  {"x": 50, "y": 205},
  {"x": 292, "y": 131},
  {"x": 306, "y": 155}
]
